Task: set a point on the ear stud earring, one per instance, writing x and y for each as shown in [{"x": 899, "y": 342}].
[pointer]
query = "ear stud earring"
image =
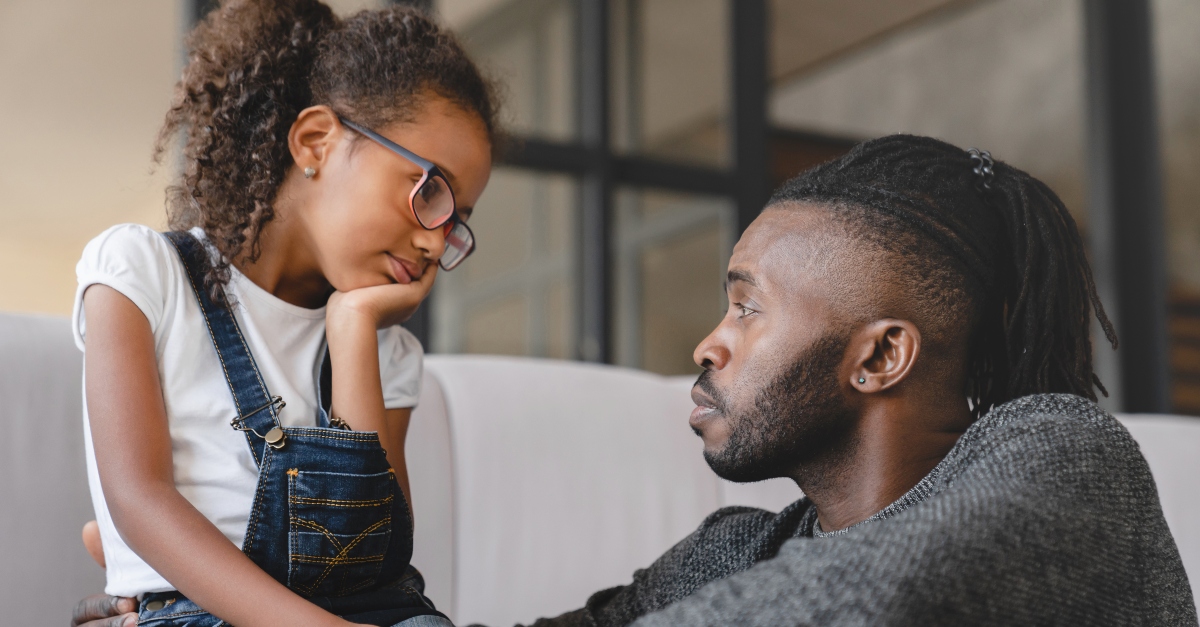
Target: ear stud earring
[
  {"x": 309, "y": 172},
  {"x": 862, "y": 380}
]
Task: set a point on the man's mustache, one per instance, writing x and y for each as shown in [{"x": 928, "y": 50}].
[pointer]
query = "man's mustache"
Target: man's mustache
[{"x": 705, "y": 383}]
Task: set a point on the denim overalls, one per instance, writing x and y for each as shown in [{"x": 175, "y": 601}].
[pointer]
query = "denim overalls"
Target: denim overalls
[{"x": 329, "y": 520}]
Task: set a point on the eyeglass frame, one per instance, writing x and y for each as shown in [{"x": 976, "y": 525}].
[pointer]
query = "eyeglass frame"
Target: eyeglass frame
[{"x": 430, "y": 169}]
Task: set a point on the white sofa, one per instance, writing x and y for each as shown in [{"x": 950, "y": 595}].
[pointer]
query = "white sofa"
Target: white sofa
[{"x": 535, "y": 483}]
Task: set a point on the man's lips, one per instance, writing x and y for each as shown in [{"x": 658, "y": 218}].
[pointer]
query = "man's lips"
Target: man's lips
[
  {"x": 705, "y": 408},
  {"x": 403, "y": 270}
]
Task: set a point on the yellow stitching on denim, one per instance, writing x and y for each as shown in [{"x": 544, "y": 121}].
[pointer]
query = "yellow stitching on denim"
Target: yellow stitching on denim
[
  {"x": 317, "y": 559},
  {"x": 256, "y": 510},
  {"x": 353, "y": 543},
  {"x": 352, "y": 589},
  {"x": 309, "y": 523},
  {"x": 303, "y": 522},
  {"x": 293, "y": 472},
  {"x": 304, "y": 500}
]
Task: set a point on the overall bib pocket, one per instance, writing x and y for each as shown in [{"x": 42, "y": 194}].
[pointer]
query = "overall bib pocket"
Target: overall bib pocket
[{"x": 339, "y": 528}]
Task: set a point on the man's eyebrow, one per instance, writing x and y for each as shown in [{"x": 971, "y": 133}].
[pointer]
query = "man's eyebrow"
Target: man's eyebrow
[{"x": 742, "y": 276}]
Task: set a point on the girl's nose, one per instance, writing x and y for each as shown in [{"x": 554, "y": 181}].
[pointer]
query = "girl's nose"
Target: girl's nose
[{"x": 431, "y": 243}]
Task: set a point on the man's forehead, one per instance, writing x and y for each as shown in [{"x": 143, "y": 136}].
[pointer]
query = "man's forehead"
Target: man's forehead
[{"x": 783, "y": 243}]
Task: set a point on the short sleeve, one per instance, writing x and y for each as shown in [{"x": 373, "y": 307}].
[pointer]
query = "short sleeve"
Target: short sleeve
[
  {"x": 401, "y": 364},
  {"x": 131, "y": 259}
]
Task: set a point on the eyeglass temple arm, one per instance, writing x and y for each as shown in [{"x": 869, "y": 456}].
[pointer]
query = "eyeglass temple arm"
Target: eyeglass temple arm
[{"x": 390, "y": 145}]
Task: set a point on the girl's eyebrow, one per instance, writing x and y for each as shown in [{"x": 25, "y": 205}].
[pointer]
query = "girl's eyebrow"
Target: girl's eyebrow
[{"x": 453, "y": 180}]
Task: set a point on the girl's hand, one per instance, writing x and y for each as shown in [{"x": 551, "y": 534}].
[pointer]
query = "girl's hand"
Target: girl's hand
[{"x": 380, "y": 306}]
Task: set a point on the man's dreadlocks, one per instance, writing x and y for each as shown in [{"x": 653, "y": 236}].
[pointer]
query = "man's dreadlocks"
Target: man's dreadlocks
[{"x": 1006, "y": 259}]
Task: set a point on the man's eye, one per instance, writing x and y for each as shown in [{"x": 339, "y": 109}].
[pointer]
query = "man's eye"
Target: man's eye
[{"x": 743, "y": 310}]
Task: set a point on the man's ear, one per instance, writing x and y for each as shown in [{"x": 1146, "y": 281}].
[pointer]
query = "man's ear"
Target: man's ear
[
  {"x": 884, "y": 352},
  {"x": 312, "y": 135}
]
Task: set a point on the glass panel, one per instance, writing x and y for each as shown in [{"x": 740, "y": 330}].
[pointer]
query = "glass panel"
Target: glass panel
[
  {"x": 516, "y": 294},
  {"x": 1007, "y": 77},
  {"x": 670, "y": 253},
  {"x": 671, "y": 79},
  {"x": 529, "y": 45},
  {"x": 1177, "y": 60}
]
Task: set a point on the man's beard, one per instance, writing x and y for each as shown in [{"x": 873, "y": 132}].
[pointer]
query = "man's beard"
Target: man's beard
[{"x": 795, "y": 418}]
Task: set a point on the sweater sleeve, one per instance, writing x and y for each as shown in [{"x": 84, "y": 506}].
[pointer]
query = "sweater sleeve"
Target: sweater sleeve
[{"x": 730, "y": 540}]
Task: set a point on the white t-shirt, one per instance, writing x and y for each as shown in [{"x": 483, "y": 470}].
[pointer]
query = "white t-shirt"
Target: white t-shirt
[{"x": 214, "y": 469}]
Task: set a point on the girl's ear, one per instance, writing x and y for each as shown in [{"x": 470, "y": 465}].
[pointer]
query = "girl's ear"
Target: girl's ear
[{"x": 312, "y": 136}]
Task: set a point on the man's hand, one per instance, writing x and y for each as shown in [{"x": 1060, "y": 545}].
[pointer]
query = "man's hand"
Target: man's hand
[{"x": 101, "y": 610}]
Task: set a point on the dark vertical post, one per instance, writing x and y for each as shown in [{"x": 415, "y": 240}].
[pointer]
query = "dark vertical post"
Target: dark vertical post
[
  {"x": 420, "y": 322},
  {"x": 1125, "y": 194},
  {"x": 595, "y": 337},
  {"x": 748, "y": 20},
  {"x": 197, "y": 9}
]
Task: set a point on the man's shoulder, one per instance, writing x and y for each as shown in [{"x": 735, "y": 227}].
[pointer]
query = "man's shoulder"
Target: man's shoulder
[
  {"x": 1070, "y": 410},
  {"x": 1059, "y": 450},
  {"x": 1064, "y": 427}
]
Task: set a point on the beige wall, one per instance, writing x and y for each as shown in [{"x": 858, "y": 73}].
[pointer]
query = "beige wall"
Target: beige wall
[{"x": 83, "y": 89}]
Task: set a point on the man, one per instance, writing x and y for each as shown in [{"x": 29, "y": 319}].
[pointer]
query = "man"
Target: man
[{"x": 907, "y": 339}]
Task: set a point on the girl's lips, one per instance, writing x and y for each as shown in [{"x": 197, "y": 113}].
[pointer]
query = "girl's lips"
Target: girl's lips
[{"x": 404, "y": 272}]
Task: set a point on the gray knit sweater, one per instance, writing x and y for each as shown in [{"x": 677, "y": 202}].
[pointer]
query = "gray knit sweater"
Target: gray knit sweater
[{"x": 1044, "y": 513}]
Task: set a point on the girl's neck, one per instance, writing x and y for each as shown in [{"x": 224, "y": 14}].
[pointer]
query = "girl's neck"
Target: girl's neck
[{"x": 286, "y": 267}]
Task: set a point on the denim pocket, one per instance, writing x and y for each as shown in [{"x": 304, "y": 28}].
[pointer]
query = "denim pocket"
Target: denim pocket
[
  {"x": 173, "y": 610},
  {"x": 339, "y": 528}
]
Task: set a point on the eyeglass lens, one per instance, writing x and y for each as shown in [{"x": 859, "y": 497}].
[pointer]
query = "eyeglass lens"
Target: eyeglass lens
[
  {"x": 433, "y": 203},
  {"x": 459, "y": 243}
]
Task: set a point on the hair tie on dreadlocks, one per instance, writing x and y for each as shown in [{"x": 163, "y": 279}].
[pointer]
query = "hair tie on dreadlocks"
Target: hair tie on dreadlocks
[
  {"x": 1005, "y": 269},
  {"x": 984, "y": 168}
]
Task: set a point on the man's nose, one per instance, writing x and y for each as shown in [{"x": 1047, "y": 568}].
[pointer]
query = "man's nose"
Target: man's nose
[{"x": 711, "y": 353}]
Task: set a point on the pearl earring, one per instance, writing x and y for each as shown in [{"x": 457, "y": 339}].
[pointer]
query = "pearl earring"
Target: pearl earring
[{"x": 309, "y": 172}]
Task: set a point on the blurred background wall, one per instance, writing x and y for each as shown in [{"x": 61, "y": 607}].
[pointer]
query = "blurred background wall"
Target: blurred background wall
[{"x": 650, "y": 130}]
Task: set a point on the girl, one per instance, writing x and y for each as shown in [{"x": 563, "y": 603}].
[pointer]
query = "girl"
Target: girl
[{"x": 330, "y": 167}]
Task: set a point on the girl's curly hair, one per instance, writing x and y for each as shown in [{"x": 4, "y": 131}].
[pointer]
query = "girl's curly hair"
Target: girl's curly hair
[{"x": 253, "y": 65}]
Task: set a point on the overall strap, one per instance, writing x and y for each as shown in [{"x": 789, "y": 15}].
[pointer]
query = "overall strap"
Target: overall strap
[{"x": 257, "y": 411}]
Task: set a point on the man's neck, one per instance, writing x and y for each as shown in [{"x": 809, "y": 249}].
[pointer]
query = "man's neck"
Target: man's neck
[{"x": 890, "y": 451}]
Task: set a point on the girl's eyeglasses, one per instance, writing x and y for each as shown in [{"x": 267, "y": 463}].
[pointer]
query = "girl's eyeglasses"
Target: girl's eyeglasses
[{"x": 431, "y": 201}]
